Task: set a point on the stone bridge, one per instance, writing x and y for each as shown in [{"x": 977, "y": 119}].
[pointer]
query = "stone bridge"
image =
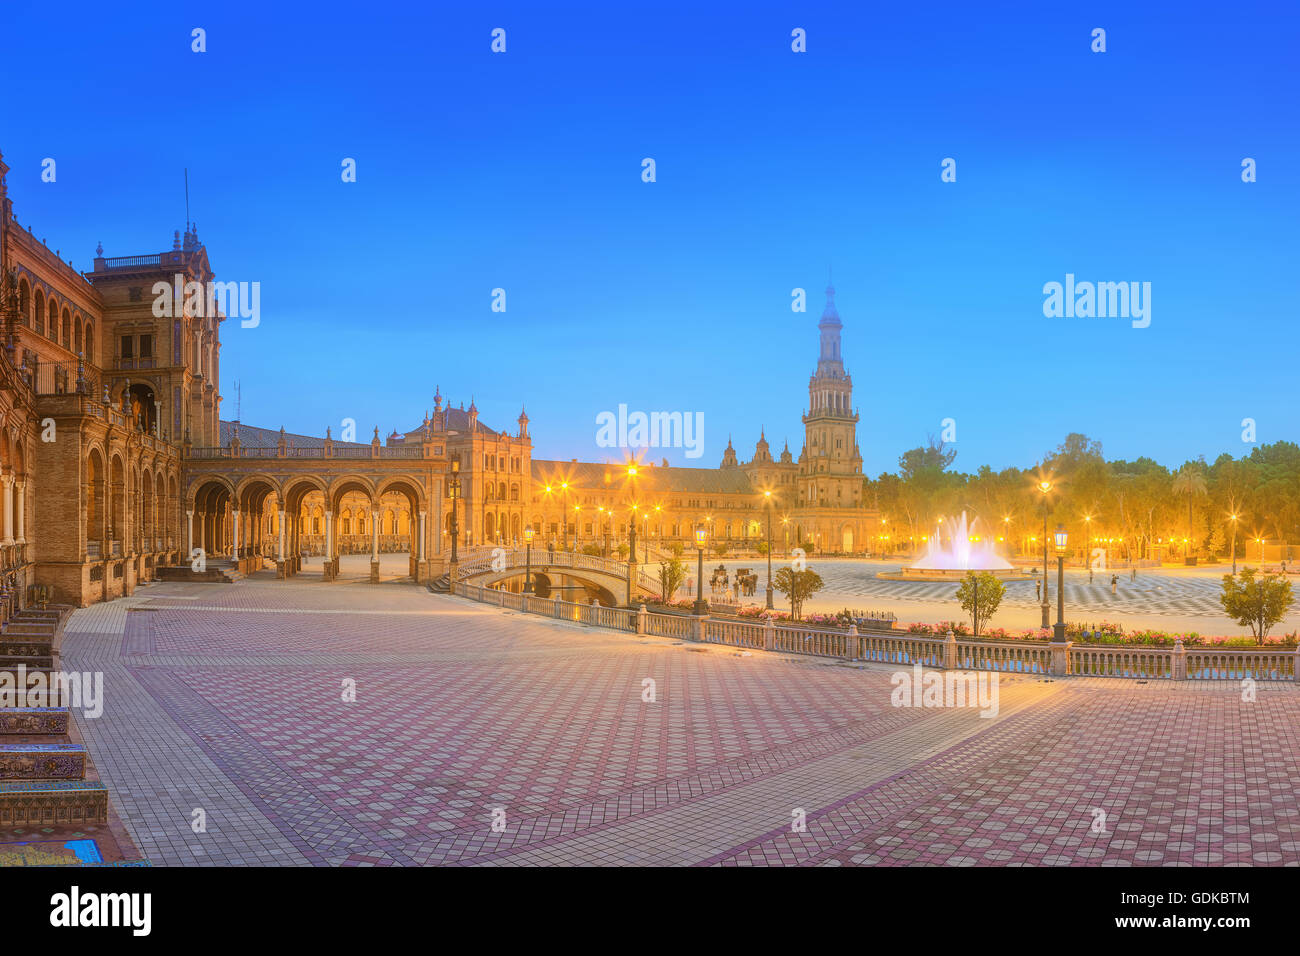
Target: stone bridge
[{"x": 564, "y": 574}]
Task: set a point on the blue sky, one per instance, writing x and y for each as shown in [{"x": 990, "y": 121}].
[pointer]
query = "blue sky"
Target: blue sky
[{"x": 522, "y": 171}]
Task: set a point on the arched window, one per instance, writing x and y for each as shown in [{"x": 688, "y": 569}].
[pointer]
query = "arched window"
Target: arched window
[
  {"x": 39, "y": 313},
  {"x": 90, "y": 342},
  {"x": 52, "y": 330}
]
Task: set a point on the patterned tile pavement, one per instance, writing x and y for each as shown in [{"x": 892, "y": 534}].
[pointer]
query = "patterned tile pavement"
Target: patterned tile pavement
[{"x": 229, "y": 699}]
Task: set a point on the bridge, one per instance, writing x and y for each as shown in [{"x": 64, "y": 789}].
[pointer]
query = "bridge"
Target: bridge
[{"x": 564, "y": 574}]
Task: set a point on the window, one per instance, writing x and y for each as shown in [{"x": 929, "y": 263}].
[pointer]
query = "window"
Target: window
[
  {"x": 146, "y": 346},
  {"x": 128, "y": 347}
]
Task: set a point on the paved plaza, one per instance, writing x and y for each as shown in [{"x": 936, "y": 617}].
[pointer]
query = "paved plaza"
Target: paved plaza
[
  {"x": 229, "y": 699},
  {"x": 1183, "y": 599}
]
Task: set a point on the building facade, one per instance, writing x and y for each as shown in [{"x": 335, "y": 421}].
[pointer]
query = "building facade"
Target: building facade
[{"x": 115, "y": 461}]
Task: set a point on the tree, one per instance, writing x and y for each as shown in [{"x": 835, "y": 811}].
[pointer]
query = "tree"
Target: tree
[
  {"x": 676, "y": 549},
  {"x": 1189, "y": 480},
  {"x": 798, "y": 586},
  {"x": 1256, "y": 602},
  {"x": 671, "y": 575},
  {"x": 980, "y": 594},
  {"x": 622, "y": 552},
  {"x": 720, "y": 549},
  {"x": 762, "y": 547}
]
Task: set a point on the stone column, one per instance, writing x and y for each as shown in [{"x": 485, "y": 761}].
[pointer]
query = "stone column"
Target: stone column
[
  {"x": 22, "y": 509},
  {"x": 374, "y": 546},
  {"x": 9, "y": 510},
  {"x": 234, "y": 534},
  {"x": 329, "y": 545},
  {"x": 280, "y": 526},
  {"x": 422, "y": 515},
  {"x": 189, "y": 532}
]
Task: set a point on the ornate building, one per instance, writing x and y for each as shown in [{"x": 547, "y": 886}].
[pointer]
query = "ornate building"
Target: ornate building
[{"x": 115, "y": 462}]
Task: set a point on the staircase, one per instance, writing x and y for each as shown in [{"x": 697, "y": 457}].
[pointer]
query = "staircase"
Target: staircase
[
  {"x": 43, "y": 774},
  {"x": 441, "y": 584}
]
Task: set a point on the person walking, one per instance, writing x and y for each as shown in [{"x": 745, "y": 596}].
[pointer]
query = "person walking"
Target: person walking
[
  {"x": 1038, "y": 590},
  {"x": 1114, "y": 583}
]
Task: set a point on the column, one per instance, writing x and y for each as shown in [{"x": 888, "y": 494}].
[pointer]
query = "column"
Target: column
[
  {"x": 234, "y": 533},
  {"x": 422, "y": 514},
  {"x": 280, "y": 526},
  {"x": 22, "y": 509},
  {"x": 374, "y": 536},
  {"x": 189, "y": 532},
  {"x": 9, "y": 509},
  {"x": 329, "y": 534}
]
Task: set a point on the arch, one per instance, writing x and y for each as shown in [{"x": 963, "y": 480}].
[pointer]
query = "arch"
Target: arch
[
  {"x": 65, "y": 325},
  {"x": 38, "y": 313},
  {"x": 94, "y": 494},
  {"x": 243, "y": 485},
  {"x": 347, "y": 483},
  {"x": 52, "y": 327},
  {"x": 403, "y": 484},
  {"x": 25, "y": 302},
  {"x": 90, "y": 342},
  {"x": 74, "y": 321},
  {"x": 200, "y": 483}
]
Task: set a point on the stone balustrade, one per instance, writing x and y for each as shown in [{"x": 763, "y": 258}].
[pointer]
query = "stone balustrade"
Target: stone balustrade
[{"x": 1008, "y": 657}]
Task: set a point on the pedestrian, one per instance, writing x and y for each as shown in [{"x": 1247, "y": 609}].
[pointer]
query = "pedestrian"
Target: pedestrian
[
  {"x": 1114, "y": 583},
  {"x": 1038, "y": 590},
  {"x": 1089, "y": 574},
  {"x": 1133, "y": 574}
]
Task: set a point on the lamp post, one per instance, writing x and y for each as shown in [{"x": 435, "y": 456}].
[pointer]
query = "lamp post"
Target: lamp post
[
  {"x": 564, "y": 515},
  {"x": 1087, "y": 542},
  {"x": 577, "y": 526},
  {"x": 1062, "y": 540},
  {"x": 768, "y": 496},
  {"x": 701, "y": 606},
  {"x": 453, "y": 492},
  {"x": 528, "y": 560},
  {"x": 1045, "y": 487},
  {"x": 1234, "y": 545}
]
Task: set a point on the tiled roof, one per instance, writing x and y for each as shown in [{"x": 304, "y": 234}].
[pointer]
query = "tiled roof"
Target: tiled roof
[
  {"x": 250, "y": 436},
  {"x": 650, "y": 478},
  {"x": 457, "y": 421}
]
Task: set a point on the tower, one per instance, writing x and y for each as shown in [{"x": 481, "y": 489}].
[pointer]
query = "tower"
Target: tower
[{"x": 830, "y": 468}]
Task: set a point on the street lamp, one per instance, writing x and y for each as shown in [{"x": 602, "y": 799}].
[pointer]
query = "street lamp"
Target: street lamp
[
  {"x": 564, "y": 516},
  {"x": 453, "y": 492},
  {"x": 701, "y": 607},
  {"x": 768, "y": 496},
  {"x": 1045, "y": 487},
  {"x": 1062, "y": 541},
  {"x": 1087, "y": 542},
  {"x": 1234, "y": 545},
  {"x": 577, "y": 526},
  {"x": 528, "y": 561}
]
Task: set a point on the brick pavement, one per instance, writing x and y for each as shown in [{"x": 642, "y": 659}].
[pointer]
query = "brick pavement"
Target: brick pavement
[{"x": 229, "y": 698}]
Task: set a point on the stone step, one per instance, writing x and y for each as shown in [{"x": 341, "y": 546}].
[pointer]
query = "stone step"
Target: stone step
[
  {"x": 34, "y": 661},
  {"x": 50, "y": 803},
  {"x": 42, "y": 761},
  {"x": 33, "y": 720},
  {"x": 28, "y": 629}
]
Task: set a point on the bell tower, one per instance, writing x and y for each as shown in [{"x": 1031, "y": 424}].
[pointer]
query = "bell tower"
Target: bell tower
[{"x": 830, "y": 468}]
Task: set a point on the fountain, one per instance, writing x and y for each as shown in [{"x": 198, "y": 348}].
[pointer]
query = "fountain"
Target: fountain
[{"x": 964, "y": 552}]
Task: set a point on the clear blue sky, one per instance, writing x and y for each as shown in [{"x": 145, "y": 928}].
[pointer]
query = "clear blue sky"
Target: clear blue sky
[{"x": 522, "y": 171}]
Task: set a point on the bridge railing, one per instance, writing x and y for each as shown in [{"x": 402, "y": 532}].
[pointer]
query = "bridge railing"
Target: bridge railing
[
  {"x": 1009, "y": 657},
  {"x": 488, "y": 559}
]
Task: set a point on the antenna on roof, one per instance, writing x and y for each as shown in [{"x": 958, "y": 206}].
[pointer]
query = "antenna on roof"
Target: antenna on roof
[{"x": 187, "y": 199}]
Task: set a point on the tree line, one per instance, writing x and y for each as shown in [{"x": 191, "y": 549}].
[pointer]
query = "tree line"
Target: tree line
[{"x": 1138, "y": 509}]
